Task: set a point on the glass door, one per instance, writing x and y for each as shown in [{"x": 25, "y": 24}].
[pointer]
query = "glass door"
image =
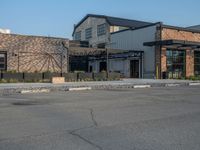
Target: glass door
[{"x": 134, "y": 69}]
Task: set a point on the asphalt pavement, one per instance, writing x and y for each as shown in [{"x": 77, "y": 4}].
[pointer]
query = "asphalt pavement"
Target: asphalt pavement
[{"x": 121, "y": 119}]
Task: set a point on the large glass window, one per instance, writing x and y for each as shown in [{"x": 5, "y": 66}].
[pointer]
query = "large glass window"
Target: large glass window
[
  {"x": 101, "y": 29},
  {"x": 88, "y": 33},
  {"x": 2, "y": 61},
  {"x": 197, "y": 62},
  {"x": 78, "y": 36},
  {"x": 175, "y": 63}
]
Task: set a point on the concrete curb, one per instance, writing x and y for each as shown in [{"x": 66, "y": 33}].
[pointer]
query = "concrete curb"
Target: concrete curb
[{"x": 52, "y": 88}]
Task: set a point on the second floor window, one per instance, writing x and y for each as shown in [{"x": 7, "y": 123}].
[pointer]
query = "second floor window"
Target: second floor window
[
  {"x": 88, "y": 33},
  {"x": 101, "y": 29},
  {"x": 78, "y": 36}
]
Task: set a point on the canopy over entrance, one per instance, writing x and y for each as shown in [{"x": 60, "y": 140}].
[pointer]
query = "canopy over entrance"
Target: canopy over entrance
[
  {"x": 177, "y": 44},
  {"x": 83, "y": 51},
  {"x": 79, "y": 57}
]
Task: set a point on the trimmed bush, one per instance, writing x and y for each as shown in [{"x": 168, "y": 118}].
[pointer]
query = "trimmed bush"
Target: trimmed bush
[
  {"x": 48, "y": 76},
  {"x": 114, "y": 76},
  {"x": 32, "y": 77},
  {"x": 15, "y": 76},
  {"x": 85, "y": 76},
  {"x": 100, "y": 76},
  {"x": 70, "y": 77}
]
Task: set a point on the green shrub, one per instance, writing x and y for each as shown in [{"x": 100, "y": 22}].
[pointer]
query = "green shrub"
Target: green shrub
[
  {"x": 9, "y": 81},
  {"x": 3, "y": 81},
  {"x": 13, "y": 81},
  {"x": 194, "y": 78}
]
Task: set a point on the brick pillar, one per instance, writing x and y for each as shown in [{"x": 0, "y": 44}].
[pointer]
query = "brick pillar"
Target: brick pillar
[
  {"x": 158, "y": 62},
  {"x": 189, "y": 63},
  {"x": 163, "y": 60}
]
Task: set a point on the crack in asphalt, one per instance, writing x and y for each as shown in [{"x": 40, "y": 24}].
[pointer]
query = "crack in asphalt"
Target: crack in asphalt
[
  {"x": 86, "y": 140},
  {"x": 44, "y": 134},
  {"x": 71, "y": 132},
  {"x": 95, "y": 124},
  {"x": 93, "y": 117}
]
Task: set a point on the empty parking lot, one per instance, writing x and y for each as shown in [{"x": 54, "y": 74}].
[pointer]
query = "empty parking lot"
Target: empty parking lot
[{"x": 137, "y": 119}]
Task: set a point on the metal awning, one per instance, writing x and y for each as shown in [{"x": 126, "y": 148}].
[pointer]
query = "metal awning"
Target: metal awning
[
  {"x": 178, "y": 44},
  {"x": 82, "y": 51},
  {"x": 121, "y": 55}
]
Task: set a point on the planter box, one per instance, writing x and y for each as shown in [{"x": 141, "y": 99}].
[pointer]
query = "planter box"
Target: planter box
[
  {"x": 70, "y": 77},
  {"x": 32, "y": 77},
  {"x": 114, "y": 76},
  {"x": 100, "y": 76},
  {"x": 85, "y": 76},
  {"x": 13, "y": 76},
  {"x": 49, "y": 76}
]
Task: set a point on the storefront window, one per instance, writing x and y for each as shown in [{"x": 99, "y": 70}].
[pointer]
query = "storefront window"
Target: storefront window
[
  {"x": 197, "y": 62},
  {"x": 175, "y": 64}
]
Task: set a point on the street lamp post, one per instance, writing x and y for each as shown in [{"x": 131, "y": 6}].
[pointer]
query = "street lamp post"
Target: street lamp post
[
  {"x": 107, "y": 63},
  {"x": 107, "y": 58}
]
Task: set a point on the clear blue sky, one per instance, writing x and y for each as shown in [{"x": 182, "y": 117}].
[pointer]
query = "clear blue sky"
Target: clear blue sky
[{"x": 57, "y": 17}]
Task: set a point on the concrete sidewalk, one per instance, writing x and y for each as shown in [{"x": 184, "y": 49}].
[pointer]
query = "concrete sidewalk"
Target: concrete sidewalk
[{"x": 125, "y": 83}]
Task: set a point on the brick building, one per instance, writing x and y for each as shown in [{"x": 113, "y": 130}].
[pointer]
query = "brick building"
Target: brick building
[
  {"x": 177, "y": 51},
  {"x": 20, "y": 53},
  {"x": 169, "y": 51}
]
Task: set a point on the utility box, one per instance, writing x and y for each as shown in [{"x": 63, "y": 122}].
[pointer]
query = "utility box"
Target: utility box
[{"x": 58, "y": 80}]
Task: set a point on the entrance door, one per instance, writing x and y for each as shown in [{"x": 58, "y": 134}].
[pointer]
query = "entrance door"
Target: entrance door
[
  {"x": 134, "y": 69},
  {"x": 102, "y": 66}
]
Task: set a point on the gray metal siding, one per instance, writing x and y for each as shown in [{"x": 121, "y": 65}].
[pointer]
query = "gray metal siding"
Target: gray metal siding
[{"x": 133, "y": 40}]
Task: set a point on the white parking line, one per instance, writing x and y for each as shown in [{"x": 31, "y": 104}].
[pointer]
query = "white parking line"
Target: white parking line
[
  {"x": 172, "y": 85},
  {"x": 35, "y": 91},
  {"x": 80, "y": 89},
  {"x": 142, "y": 86},
  {"x": 194, "y": 84},
  {"x": 13, "y": 99}
]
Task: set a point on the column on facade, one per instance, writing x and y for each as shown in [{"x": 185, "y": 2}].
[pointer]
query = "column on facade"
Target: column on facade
[
  {"x": 163, "y": 60},
  {"x": 158, "y": 62},
  {"x": 189, "y": 63}
]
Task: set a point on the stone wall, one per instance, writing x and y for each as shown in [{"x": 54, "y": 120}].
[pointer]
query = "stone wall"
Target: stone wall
[{"x": 34, "y": 53}]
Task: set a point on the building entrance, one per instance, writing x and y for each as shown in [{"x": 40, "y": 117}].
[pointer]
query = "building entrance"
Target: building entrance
[{"x": 134, "y": 69}]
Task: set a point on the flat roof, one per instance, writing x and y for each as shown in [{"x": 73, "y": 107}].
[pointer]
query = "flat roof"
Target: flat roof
[
  {"x": 163, "y": 26},
  {"x": 181, "y": 28},
  {"x": 34, "y": 36},
  {"x": 176, "y": 43}
]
